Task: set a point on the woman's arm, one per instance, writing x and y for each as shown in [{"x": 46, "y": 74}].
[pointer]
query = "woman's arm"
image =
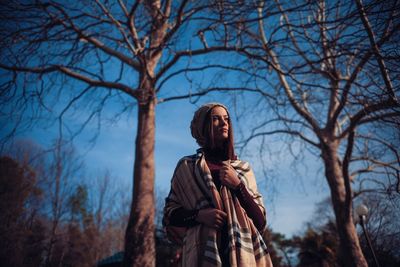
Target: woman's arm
[
  {"x": 250, "y": 206},
  {"x": 183, "y": 218},
  {"x": 188, "y": 218},
  {"x": 230, "y": 179}
]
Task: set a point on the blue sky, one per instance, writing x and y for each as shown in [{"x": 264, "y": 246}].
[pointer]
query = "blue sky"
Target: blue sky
[{"x": 289, "y": 195}]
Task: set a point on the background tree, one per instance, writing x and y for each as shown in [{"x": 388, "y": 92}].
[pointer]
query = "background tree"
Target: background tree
[
  {"x": 319, "y": 248},
  {"x": 27, "y": 222},
  {"x": 278, "y": 248},
  {"x": 21, "y": 231},
  {"x": 382, "y": 225},
  {"x": 329, "y": 73},
  {"x": 69, "y": 59},
  {"x": 108, "y": 202},
  {"x": 61, "y": 170}
]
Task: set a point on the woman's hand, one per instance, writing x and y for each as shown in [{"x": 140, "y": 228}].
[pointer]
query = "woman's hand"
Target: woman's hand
[
  {"x": 228, "y": 176},
  {"x": 211, "y": 217}
]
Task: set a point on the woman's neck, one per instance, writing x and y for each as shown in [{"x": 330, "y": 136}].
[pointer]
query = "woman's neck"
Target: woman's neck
[{"x": 215, "y": 154}]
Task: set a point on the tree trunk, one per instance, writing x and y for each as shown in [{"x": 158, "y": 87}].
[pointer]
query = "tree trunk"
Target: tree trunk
[
  {"x": 139, "y": 238},
  {"x": 349, "y": 248}
]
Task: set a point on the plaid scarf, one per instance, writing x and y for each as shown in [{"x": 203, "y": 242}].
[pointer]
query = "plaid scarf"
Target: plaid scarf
[{"x": 192, "y": 187}]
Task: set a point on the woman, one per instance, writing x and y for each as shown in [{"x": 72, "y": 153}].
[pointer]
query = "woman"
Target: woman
[{"x": 213, "y": 208}]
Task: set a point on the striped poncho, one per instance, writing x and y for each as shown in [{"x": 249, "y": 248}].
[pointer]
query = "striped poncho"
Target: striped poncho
[{"x": 192, "y": 187}]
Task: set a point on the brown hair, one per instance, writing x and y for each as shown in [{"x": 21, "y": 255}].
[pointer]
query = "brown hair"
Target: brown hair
[{"x": 228, "y": 150}]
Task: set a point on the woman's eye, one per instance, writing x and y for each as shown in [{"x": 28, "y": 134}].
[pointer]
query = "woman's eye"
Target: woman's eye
[{"x": 220, "y": 119}]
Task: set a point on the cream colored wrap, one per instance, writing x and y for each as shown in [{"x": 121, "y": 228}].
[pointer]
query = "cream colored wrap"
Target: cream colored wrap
[{"x": 192, "y": 187}]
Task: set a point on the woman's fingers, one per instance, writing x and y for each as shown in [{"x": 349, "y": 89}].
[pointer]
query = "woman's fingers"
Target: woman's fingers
[
  {"x": 212, "y": 217},
  {"x": 220, "y": 218},
  {"x": 221, "y": 214},
  {"x": 228, "y": 176}
]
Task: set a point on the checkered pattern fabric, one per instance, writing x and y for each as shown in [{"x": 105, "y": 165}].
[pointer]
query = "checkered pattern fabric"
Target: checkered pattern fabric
[{"x": 192, "y": 187}]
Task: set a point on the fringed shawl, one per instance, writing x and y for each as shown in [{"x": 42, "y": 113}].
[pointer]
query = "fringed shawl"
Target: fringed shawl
[{"x": 192, "y": 187}]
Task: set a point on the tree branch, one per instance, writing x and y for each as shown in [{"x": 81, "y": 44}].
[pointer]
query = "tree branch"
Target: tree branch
[
  {"x": 375, "y": 49},
  {"x": 276, "y": 65},
  {"x": 118, "y": 25},
  {"x": 345, "y": 166},
  {"x": 69, "y": 72},
  {"x": 209, "y": 90},
  {"x": 289, "y": 132},
  {"x": 82, "y": 35},
  {"x": 358, "y": 69},
  {"x": 366, "y": 111},
  {"x": 188, "y": 53}
]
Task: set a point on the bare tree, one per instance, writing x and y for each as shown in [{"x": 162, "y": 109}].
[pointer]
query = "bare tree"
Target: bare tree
[
  {"x": 329, "y": 70},
  {"x": 382, "y": 225},
  {"x": 71, "y": 59},
  {"x": 21, "y": 232},
  {"x": 58, "y": 175},
  {"x": 57, "y": 171},
  {"x": 108, "y": 204}
]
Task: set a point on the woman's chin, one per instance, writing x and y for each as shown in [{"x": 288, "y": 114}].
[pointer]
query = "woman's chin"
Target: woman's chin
[{"x": 221, "y": 139}]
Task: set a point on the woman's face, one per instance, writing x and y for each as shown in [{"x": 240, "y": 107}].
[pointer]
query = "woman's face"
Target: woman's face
[{"x": 220, "y": 124}]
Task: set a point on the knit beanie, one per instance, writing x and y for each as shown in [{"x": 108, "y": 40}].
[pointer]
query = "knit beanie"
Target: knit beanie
[{"x": 197, "y": 124}]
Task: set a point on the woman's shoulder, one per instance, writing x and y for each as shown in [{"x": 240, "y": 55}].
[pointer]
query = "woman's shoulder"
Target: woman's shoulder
[
  {"x": 185, "y": 164},
  {"x": 186, "y": 160}
]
